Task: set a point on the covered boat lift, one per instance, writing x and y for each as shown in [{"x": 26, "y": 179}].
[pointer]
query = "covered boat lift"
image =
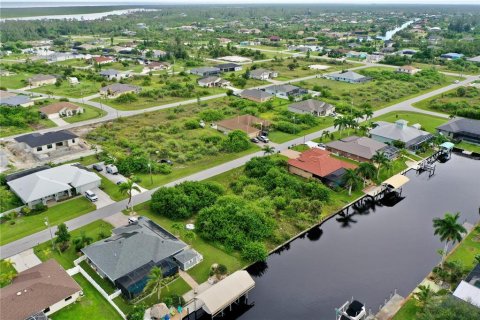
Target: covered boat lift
[
  {"x": 396, "y": 182},
  {"x": 226, "y": 292}
]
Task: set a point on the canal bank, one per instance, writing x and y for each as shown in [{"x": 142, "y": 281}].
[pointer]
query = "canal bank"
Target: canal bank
[{"x": 368, "y": 254}]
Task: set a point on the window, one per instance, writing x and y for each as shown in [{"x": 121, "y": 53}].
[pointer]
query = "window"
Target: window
[
  {"x": 49, "y": 146},
  {"x": 66, "y": 299},
  {"x": 73, "y": 140},
  {"x": 59, "y": 144},
  {"x": 39, "y": 148}
]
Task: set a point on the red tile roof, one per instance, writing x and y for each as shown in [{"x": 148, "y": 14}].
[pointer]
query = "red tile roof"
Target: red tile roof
[
  {"x": 102, "y": 59},
  {"x": 319, "y": 162}
]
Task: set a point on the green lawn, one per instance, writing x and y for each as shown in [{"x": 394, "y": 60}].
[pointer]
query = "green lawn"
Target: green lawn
[
  {"x": 83, "y": 89},
  {"x": 184, "y": 170},
  {"x": 14, "y": 130},
  {"x": 89, "y": 113},
  {"x": 8, "y": 200},
  {"x": 56, "y": 214},
  {"x": 468, "y": 146},
  {"x": 44, "y": 250},
  {"x": 428, "y": 122},
  {"x": 408, "y": 310},
  {"x": 6, "y": 268},
  {"x": 106, "y": 285},
  {"x": 16, "y": 81},
  {"x": 111, "y": 189},
  {"x": 91, "y": 306},
  {"x": 211, "y": 254}
]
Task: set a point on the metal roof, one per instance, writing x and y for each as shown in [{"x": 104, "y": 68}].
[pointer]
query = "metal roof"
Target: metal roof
[{"x": 40, "y": 139}]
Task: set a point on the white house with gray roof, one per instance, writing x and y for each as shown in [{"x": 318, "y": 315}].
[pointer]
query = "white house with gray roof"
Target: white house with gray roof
[
  {"x": 284, "y": 91},
  {"x": 53, "y": 184},
  {"x": 43, "y": 143},
  {"x": 313, "y": 107},
  {"x": 127, "y": 257},
  {"x": 347, "y": 76},
  {"x": 262, "y": 74},
  {"x": 112, "y": 74},
  {"x": 117, "y": 89},
  {"x": 206, "y": 71},
  {"x": 388, "y": 133}
]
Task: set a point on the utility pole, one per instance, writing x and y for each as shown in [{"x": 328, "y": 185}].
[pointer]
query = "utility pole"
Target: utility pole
[
  {"x": 47, "y": 223},
  {"x": 150, "y": 168}
]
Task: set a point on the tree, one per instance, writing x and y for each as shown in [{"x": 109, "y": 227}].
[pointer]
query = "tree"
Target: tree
[
  {"x": 268, "y": 150},
  {"x": 380, "y": 159},
  {"x": 254, "y": 251},
  {"x": 236, "y": 141},
  {"x": 63, "y": 236},
  {"x": 82, "y": 241},
  {"x": 127, "y": 188},
  {"x": 423, "y": 295},
  {"x": 449, "y": 231},
  {"x": 367, "y": 171},
  {"x": 350, "y": 179},
  {"x": 138, "y": 312},
  {"x": 155, "y": 278},
  {"x": 178, "y": 227}
]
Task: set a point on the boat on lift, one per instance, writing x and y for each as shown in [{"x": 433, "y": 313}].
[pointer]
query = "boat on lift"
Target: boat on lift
[{"x": 354, "y": 310}]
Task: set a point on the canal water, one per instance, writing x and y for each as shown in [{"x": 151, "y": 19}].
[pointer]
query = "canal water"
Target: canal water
[
  {"x": 367, "y": 255},
  {"x": 390, "y": 33}
]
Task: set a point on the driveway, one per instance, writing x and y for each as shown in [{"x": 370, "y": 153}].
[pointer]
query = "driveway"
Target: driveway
[
  {"x": 115, "y": 178},
  {"x": 25, "y": 260},
  {"x": 59, "y": 122},
  {"x": 103, "y": 198},
  {"x": 117, "y": 220}
]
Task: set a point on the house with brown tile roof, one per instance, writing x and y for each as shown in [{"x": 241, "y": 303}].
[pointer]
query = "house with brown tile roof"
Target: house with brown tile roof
[
  {"x": 319, "y": 164},
  {"x": 61, "y": 109},
  {"x": 40, "y": 290},
  {"x": 102, "y": 60},
  {"x": 249, "y": 124}
]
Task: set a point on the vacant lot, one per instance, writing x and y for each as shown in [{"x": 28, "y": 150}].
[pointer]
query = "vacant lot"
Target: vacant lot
[
  {"x": 15, "y": 121},
  {"x": 83, "y": 89}
]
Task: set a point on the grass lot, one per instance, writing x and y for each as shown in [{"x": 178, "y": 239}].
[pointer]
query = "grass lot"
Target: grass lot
[
  {"x": 56, "y": 214},
  {"x": 83, "y": 89},
  {"x": 74, "y": 63},
  {"x": 111, "y": 189},
  {"x": 89, "y": 113},
  {"x": 91, "y": 306},
  {"x": 16, "y": 81},
  {"x": 211, "y": 254},
  {"x": 464, "y": 253},
  {"x": 44, "y": 250},
  {"x": 176, "y": 287},
  {"x": 378, "y": 93},
  {"x": 13, "y": 130},
  {"x": 469, "y": 146},
  {"x": 8, "y": 200},
  {"x": 6, "y": 272},
  {"x": 106, "y": 285},
  {"x": 428, "y": 122},
  {"x": 444, "y": 68}
]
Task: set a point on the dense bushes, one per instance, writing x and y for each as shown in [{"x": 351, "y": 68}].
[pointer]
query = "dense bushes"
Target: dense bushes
[
  {"x": 185, "y": 199},
  {"x": 464, "y": 102},
  {"x": 18, "y": 117},
  {"x": 236, "y": 141}
]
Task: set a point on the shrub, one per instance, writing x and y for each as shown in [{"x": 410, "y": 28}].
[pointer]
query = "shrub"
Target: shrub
[
  {"x": 236, "y": 141},
  {"x": 254, "y": 251}
]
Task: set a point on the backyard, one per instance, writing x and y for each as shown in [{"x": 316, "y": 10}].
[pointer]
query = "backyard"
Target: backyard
[
  {"x": 22, "y": 226},
  {"x": 89, "y": 113},
  {"x": 84, "y": 88}
]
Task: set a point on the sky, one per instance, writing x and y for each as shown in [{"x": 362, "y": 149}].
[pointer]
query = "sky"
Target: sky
[{"x": 119, "y": 2}]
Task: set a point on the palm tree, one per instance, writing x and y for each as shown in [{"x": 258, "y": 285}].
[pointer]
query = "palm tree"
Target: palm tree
[
  {"x": 380, "y": 159},
  {"x": 339, "y": 123},
  {"x": 423, "y": 295},
  {"x": 325, "y": 133},
  {"x": 368, "y": 113},
  {"x": 367, "y": 171},
  {"x": 350, "y": 179},
  {"x": 127, "y": 188},
  {"x": 155, "y": 281},
  {"x": 449, "y": 230},
  {"x": 268, "y": 150}
]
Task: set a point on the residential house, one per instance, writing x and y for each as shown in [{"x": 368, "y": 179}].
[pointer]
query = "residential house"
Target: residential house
[
  {"x": 224, "y": 40},
  {"x": 229, "y": 67},
  {"x": 262, "y": 74},
  {"x": 469, "y": 289},
  {"x": 249, "y": 124},
  {"x": 319, "y": 164},
  {"x": 14, "y": 100},
  {"x": 213, "y": 81},
  {"x": 274, "y": 38},
  {"x": 452, "y": 56},
  {"x": 205, "y": 71},
  {"x": 461, "y": 129},
  {"x": 408, "y": 70},
  {"x": 61, "y": 109},
  {"x": 156, "y": 66},
  {"x": 38, "y": 292},
  {"x": 42, "y": 80},
  {"x": 44, "y": 143},
  {"x": 102, "y": 60},
  {"x": 284, "y": 91},
  {"x": 361, "y": 148},
  {"x": 256, "y": 95},
  {"x": 53, "y": 184},
  {"x": 357, "y": 55},
  {"x": 313, "y": 107},
  {"x": 73, "y": 81},
  {"x": 117, "y": 89},
  {"x": 127, "y": 257},
  {"x": 112, "y": 74},
  {"x": 388, "y": 133},
  {"x": 347, "y": 76},
  {"x": 474, "y": 59}
]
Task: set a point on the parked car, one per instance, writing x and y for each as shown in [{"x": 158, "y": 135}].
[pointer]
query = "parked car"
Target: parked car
[
  {"x": 255, "y": 140},
  {"x": 263, "y": 139},
  {"x": 112, "y": 169},
  {"x": 91, "y": 196},
  {"x": 98, "y": 167},
  {"x": 119, "y": 182},
  {"x": 132, "y": 220},
  {"x": 167, "y": 161}
]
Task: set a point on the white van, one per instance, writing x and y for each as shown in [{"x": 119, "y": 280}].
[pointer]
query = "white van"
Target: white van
[
  {"x": 112, "y": 169},
  {"x": 91, "y": 196}
]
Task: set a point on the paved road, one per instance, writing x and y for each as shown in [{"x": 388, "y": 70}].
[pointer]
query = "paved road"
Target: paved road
[{"x": 40, "y": 237}]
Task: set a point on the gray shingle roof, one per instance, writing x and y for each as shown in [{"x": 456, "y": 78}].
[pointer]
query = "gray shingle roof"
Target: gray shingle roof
[
  {"x": 347, "y": 75},
  {"x": 461, "y": 125},
  {"x": 15, "y": 101},
  {"x": 116, "y": 88},
  {"x": 227, "y": 65},
  {"x": 361, "y": 146},
  {"x": 281, "y": 88},
  {"x": 132, "y": 247},
  {"x": 400, "y": 131},
  {"x": 311, "y": 105},
  {"x": 110, "y": 72},
  {"x": 40, "y": 139},
  {"x": 255, "y": 94}
]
